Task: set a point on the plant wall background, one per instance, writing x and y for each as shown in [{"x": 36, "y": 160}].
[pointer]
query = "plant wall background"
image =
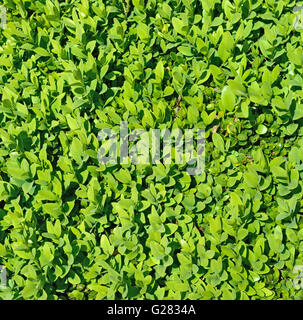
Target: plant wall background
[{"x": 71, "y": 228}]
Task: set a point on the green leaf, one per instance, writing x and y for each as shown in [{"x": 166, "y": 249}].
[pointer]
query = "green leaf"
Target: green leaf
[
  {"x": 218, "y": 141},
  {"x": 185, "y": 50},
  {"x": 159, "y": 71},
  {"x": 22, "y": 250},
  {"x": 123, "y": 176},
  {"x": 298, "y": 112},
  {"x": 47, "y": 254},
  {"x": 105, "y": 245},
  {"x": 215, "y": 225},
  {"x": 42, "y": 52},
  {"x": 192, "y": 115},
  {"x": 261, "y": 129},
  {"x": 157, "y": 250},
  {"x": 143, "y": 31},
  {"x": 179, "y": 26},
  {"x": 228, "y": 99},
  {"x": 226, "y": 46},
  {"x": 76, "y": 150},
  {"x": 251, "y": 178}
]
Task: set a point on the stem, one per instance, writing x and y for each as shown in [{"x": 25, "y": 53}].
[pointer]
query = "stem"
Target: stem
[{"x": 125, "y": 4}]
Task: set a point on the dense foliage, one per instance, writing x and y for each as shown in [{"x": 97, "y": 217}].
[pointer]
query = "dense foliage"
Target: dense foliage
[{"x": 71, "y": 228}]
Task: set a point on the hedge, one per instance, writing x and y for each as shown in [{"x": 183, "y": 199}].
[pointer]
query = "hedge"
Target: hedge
[{"x": 72, "y": 228}]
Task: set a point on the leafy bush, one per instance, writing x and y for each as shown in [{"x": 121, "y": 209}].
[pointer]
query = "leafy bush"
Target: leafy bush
[{"x": 71, "y": 228}]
